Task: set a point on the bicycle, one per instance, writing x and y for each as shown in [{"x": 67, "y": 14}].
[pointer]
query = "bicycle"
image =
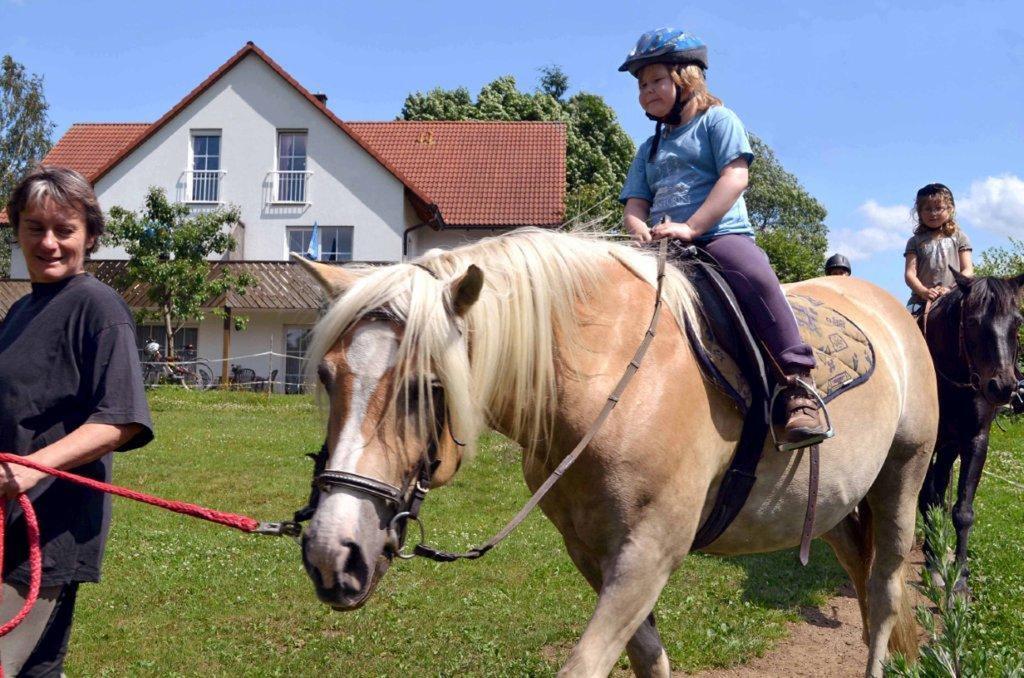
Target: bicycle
[{"x": 193, "y": 374}]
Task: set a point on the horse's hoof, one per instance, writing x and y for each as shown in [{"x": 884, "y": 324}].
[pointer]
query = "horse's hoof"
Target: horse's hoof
[
  {"x": 937, "y": 579},
  {"x": 962, "y": 589}
]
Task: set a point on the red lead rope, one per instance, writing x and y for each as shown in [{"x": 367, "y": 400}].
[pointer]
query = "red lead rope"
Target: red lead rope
[{"x": 239, "y": 522}]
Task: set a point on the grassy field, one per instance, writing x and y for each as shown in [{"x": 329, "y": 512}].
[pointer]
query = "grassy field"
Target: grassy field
[{"x": 184, "y": 597}]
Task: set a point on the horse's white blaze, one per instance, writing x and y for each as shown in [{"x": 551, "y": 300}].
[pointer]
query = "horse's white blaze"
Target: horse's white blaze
[{"x": 370, "y": 355}]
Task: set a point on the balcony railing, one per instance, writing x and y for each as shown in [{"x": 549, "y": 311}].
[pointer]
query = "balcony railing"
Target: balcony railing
[
  {"x": 290, "y": 187},
  {"x": 203, "y": 185}
]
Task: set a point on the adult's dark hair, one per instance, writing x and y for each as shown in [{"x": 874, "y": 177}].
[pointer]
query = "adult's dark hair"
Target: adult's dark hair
[{"x": 65, "y": 187}]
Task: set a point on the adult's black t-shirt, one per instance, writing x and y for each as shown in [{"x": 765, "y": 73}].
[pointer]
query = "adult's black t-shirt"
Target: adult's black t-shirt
[{"x": 67, "y": 357}]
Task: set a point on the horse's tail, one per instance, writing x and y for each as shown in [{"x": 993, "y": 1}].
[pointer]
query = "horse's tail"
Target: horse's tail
[
  {"x": 904, "y": 634},
  {"x": 904, "y": 637}
]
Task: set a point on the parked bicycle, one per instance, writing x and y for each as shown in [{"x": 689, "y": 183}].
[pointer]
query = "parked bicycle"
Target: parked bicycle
[{"x": 158, "y": 369}]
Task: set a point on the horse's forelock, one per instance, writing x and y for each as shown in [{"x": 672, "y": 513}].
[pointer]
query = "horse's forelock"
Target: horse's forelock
[{"x": 991, "y": 296}]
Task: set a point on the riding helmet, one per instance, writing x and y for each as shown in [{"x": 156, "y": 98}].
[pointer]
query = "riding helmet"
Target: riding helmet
[
  {"x": 666, "y": 46},
  {"x": 838, "y": 261}
]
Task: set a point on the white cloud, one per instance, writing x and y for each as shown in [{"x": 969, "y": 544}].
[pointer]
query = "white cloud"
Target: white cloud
[
  {"x": 888, "y": 227},
  {"x": 996, "y": 204}
]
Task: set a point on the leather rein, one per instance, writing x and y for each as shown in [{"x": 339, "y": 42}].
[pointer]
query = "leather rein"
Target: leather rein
[{"x": 408, "y": 499}]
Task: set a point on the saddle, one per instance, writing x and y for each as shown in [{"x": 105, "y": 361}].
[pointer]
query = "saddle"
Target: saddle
[{"x": 733, "y": 361}]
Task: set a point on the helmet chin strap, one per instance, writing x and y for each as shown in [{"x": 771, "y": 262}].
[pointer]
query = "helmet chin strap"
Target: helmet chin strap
[{"x": 673, "y": 117}]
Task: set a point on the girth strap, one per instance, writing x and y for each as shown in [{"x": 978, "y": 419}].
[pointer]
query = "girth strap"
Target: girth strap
[{"x": 812, "y": 505}]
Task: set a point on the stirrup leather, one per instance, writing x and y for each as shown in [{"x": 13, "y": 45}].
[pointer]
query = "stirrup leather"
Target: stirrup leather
[{"x": 811, "y": 440}]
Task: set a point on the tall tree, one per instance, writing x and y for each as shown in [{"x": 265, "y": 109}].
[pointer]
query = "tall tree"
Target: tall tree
[
  {"x": 788, "y": 221},
  {"x": 25, "y": 135},
  {"x": 598, "y": 150},
  {"x": 168, "y": 248}
]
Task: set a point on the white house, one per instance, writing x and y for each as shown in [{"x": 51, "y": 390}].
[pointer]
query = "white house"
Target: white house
[{"x": 250, "y": 135}]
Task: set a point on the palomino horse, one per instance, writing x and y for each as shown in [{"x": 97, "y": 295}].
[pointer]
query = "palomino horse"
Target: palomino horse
[
  {"x": 972, "y": 334},
  {"x": 528, "y": 333}
]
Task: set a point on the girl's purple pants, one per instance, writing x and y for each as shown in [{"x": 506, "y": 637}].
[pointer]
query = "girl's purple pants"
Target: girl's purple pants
[{"x": 746, "y": 268}]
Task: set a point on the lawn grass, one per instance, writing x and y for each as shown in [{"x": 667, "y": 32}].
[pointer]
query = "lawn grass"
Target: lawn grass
[{"x": 183, "y": 597}]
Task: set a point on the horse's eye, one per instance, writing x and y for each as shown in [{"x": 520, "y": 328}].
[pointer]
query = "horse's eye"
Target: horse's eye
[{"x": 323, "y": 372}]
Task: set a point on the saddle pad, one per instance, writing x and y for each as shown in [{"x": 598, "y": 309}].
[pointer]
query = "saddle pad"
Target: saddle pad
[{"x": 843, "y": 355}]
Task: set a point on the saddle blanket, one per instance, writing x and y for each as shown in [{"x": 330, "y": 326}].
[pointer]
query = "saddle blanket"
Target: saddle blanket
[{"x": 843, "y": 355}]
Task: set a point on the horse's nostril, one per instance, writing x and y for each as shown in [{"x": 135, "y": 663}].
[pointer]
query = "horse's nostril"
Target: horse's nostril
[{"x": 356, "y": 568}]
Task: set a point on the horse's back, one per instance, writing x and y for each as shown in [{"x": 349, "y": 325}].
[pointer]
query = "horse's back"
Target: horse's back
[{"x": 892, "y": 410}]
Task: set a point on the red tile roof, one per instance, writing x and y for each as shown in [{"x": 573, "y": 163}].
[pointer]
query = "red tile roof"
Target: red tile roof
[
  {"x": 479, "y": 173},
  {"x": 88, "y": 146},
  {"x": 467, "y": 173}
]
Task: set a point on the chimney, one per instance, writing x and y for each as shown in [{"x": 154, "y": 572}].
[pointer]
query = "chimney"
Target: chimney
[{"x": 321, "y": 97}]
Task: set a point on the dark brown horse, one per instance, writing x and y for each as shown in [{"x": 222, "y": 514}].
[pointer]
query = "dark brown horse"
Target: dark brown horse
[{"x": 972, "y": 334}]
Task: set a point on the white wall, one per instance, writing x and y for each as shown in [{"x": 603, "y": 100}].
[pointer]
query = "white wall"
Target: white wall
[
  {"x": 425, "y": 238},
  {"x": 264, "y": 332},
  {"x": 248, "y": 105}
]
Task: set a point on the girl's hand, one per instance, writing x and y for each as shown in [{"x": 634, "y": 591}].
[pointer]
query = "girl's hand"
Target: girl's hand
[
  {"x": 638, "y": 231},
  {"x": 670, "y": 229},
  {"x": 936, "y": 292}
]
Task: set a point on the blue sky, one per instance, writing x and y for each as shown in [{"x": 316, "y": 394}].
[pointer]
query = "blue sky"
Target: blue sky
[{"x": 865, "y": 102}]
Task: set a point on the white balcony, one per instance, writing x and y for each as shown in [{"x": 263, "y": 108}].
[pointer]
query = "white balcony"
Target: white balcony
[
  {"x": 203, "y": 186},
  {"x": 289, "y": 187}
]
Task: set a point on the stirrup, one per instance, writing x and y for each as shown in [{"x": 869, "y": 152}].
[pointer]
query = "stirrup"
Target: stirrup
[{"x": 810, "y": 440}]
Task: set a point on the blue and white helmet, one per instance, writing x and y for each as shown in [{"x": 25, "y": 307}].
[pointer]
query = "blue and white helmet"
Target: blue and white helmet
[{"x": 666, "y": 46}]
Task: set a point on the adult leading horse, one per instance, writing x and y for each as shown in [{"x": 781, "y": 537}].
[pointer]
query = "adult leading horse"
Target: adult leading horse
[
  {"x": 528, "y": 333},
  {"x": 972, "y": 333}
]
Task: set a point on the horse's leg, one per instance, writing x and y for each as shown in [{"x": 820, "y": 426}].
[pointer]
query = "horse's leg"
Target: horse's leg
[
  {"x": 893, "y": 501},
  {"x": 647, "y": 656},
  {"x": 972, "y": 461},
  {"x": 632, "y": 580},
  {"x": 933, "y": 492},
  {"x": 851, "y": 542}
]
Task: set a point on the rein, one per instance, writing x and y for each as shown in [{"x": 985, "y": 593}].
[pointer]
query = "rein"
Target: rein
[
  {"x": 408, "y": 508},
  {"x": 974, "y": 379}
]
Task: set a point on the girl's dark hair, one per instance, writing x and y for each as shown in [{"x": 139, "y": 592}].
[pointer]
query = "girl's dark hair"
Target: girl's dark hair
[
  {"x": 931, "y": 190},
  {"x": 65, "y": 187}
]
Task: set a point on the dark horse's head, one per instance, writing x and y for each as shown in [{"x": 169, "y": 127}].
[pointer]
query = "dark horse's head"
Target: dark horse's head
[{"x": 973, "y": 335}]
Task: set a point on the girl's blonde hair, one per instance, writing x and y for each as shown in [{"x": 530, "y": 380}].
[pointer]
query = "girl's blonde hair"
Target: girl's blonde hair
[
  {"x": 948, "y": 229},
  {"x": 691, "y": 78}
]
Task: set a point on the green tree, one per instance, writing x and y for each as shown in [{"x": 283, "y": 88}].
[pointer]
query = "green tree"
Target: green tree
[
  {"x": 553, "y": 81},
  {"x": 168, "y": 248},
  {"x": 1002, "y": 261},
  {"x": 788, "y": 221},
  {"x": 598, "y": 151},
  {"x": 25, "y": 135}
]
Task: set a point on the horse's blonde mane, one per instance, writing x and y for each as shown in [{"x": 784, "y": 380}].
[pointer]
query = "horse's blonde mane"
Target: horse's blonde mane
[{"x": 533, "y": 282}]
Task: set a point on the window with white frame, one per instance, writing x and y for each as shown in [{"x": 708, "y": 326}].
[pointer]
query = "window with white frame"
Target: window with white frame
[
  {"x": 204, "y": 177},
  {"x": 292, "y": 176},
  {"x": 335, "y": 242}
]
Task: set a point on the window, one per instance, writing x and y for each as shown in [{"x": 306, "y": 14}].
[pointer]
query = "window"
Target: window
[
  {"x": 205, "y": 174},
  {"x": 296, "y": 341},
  {"x": 291, "y": 167},
  {"x": 335, "y": 241},
  {"x": 185, "y": 340}
]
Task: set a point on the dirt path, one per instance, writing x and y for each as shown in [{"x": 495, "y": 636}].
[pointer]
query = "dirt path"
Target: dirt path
[{"x": 826, "y": 644}]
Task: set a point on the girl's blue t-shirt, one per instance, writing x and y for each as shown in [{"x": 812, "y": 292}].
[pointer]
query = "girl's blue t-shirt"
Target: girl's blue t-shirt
[{"x": 685, "y": 168}]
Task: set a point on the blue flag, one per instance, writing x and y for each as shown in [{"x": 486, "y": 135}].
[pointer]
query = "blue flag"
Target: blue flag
[{"x": 313, "y": 251}]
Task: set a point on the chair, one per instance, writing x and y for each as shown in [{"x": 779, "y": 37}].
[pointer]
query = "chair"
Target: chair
[{"x": 245, "y": 379}]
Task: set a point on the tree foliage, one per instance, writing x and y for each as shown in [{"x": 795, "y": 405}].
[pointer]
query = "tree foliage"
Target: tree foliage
[
  {"x": 788, "y": 221},
  {"x": 1002, "y": 261},
  {"x": 25, "y": 135},
  {"x": 168, "y": 248},
  {"x": 598, "y": 150}
]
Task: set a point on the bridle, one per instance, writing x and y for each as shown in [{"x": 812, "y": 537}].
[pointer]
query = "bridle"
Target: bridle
[
  {"x": 973, "y": 382},
  {"x": 405, "y": 500}
]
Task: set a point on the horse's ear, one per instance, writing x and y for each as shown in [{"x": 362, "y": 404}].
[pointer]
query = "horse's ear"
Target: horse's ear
[
  {"x": 333, "y": 279},
  {"x": 465, "y": 290},
  {"x": 962, "y": 281}
]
